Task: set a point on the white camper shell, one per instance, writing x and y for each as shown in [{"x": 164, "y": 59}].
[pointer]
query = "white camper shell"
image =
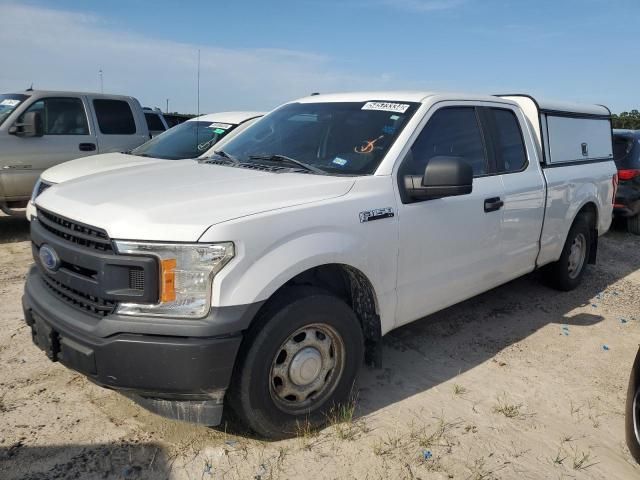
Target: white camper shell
[{"x": 568, "y": 132}]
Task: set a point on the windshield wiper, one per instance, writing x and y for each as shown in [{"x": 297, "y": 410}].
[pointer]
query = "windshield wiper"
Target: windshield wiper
[
  {"x": 223, "y": 154},
  {"x": 284, "y": 158}
]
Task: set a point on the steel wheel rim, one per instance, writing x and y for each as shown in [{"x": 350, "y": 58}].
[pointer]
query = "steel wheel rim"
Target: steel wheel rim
[
  {"x": 577, "y": 255},
  {"x": 306, "y": 368},
  {"x": 636, "y": 415}
]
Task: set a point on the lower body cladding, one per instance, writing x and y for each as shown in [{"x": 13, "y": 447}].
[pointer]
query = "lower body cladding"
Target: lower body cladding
[{"x": 180, "y": 377}]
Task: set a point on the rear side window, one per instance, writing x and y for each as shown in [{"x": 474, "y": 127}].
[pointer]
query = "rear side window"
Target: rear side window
[
  {"x": 153, "y": 121},
  {"x": 61, "y": 116},
  {"x": 510, "y": 151},
  {"x": 114, "y": 117},
  {"x": 621, "y": 147},
  {"x": 450, "y": 132}
]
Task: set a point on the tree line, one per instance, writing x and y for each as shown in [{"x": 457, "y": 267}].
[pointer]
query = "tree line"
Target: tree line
[{"x": 628, "y": 120}]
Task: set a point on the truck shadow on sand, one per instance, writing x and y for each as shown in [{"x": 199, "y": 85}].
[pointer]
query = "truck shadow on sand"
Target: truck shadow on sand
[
  {"x": 436, "y": 349},
  {"x": 114, "y": 460},
  {"x": 13, "y": 229}
]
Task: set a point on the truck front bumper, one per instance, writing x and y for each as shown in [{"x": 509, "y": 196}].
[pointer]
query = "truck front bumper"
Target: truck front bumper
[{"x": 181, "y": 377}]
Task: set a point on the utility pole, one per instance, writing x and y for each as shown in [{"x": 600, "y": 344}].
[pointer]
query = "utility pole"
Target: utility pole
[
  {"x": 198, "y": 83},
  {"x": 167, "y": 109},
  {"x": 101, "y": 81}
]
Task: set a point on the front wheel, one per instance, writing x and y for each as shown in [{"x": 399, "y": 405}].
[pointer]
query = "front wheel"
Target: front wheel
[
  {"x": 300, "y": 359},
  {"x": 566, "y": 274}
]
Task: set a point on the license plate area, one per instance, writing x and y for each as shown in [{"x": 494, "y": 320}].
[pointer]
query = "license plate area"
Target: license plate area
[{"x": 45, "y": 338}]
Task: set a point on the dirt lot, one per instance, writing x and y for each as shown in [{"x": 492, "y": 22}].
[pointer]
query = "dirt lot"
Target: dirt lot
[{"x": 522, "y": 382}]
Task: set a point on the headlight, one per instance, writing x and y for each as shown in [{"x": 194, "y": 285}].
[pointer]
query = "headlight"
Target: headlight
[{"x": 186, "y": 276}]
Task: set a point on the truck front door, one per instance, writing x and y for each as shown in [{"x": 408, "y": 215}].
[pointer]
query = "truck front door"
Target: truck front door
[
  {"x": 66, "y": 136},
  {"x": 449, "y": 247}
]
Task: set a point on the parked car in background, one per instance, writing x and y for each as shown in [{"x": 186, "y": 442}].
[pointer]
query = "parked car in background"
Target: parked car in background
[
  {"x": 632, "y": 414},
  {"x": 194, "y": 138},
  {"x": 262, "y": 276},
  {"x": 40, "y": 129},
  {"x": 174, "y": 119},
  {"x": 626, "y": 150},
  {"x": 155, "y": 121}
]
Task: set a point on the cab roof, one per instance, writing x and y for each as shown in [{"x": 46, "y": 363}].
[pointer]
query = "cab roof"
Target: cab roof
[
  {"x": 423, "y": 96},
  {"x": 53, "y": 93},
  {"x": 395, "y": 96}
]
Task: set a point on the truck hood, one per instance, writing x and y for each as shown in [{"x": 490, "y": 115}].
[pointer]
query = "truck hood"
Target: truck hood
[
  {"x": 81, "y": 167},
  {"x": 178, "y": 201}
]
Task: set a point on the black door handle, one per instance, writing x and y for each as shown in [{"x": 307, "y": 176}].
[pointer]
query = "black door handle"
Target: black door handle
[
  {"x": 493, "y": 204},
  {"x": 87, "y": 147}
]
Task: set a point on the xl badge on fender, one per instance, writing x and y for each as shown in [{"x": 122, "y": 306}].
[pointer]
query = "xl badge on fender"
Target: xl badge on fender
[{"x": 376, "y": 214}]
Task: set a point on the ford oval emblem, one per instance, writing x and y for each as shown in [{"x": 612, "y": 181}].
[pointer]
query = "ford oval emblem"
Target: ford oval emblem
[{"x": 49, "y": 258}]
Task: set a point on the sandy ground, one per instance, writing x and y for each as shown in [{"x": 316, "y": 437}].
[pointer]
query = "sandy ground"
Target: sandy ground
[{"x": 521, "y": 382}]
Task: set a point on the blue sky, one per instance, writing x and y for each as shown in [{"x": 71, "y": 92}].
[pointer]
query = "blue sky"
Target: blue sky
[{"x": 257, "y": 54}]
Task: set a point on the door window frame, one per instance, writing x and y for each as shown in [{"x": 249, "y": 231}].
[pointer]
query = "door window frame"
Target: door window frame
[
  {"x": 84, "y": 109},
  {"x": 494, "y": 140},
  {"x": 490, "y": 157},
  {"x": 132, "y": 110}
]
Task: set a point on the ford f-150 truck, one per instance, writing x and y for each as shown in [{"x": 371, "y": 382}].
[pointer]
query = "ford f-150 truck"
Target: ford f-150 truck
[
  {"x": 40, "y": 129},
  {"x": 262, "y": 276}
]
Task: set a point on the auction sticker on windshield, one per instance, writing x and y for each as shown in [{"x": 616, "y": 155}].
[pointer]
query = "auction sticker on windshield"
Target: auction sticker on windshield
[
  {"x": 10, "y": 102},
  {"x": 386, "y": 106},
  {"x": 223, "y": 126}
]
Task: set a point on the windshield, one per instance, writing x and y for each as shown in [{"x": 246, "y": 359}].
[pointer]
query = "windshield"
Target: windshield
[
  {"x": 187, "y": 140},
  {"x": 8, "y": 103},
  {"x": 348, "y": 138}
]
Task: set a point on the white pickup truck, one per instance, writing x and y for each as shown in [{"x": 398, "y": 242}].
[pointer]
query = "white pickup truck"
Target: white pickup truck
[
  {"x": 262, "y": 276},
  {"x": 40, "y": 129}
]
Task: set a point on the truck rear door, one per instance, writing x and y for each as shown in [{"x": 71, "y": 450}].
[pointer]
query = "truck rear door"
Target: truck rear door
[
  {"x": 518, "y": 164},
  {"x": 120, "y": 124}
]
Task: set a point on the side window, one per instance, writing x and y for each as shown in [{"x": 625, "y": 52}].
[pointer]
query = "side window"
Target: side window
[
  {"x": 154, "y": 122},
  {"x": 510, "y": 150},
  {"x": 61, "y": 116},
  {"x": 114, "y": 117},
  {"x": 450, "y": 132}
]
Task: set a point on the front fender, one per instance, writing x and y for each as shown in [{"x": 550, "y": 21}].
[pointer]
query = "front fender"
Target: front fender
[{"x": 257, "y": 276}]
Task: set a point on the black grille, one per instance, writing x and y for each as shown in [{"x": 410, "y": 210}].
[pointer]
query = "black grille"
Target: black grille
[
  {"x": 42, "y": 187},
  {"x": 72, "y": 231},
  {"x": 136, "y": 278},
  {"x": 90, "y": 304}
]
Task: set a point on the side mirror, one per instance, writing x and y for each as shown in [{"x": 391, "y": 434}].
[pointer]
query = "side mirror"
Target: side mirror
[
  {"x": 443, "y": 177},
  {"x": 31, "y": 126}
]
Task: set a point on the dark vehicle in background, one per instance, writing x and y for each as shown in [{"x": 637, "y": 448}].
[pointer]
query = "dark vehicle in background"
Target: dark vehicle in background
[
  {"x": 626, "y": 151},
  {"x": 155, "y": 121},
  {"x": 632, "y": 421}
]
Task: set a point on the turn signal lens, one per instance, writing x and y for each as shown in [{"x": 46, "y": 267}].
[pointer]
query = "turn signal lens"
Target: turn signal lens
[{"x": 168, "y": 283}]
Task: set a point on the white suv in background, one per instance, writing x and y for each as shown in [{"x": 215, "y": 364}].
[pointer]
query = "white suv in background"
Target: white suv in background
[{"x": 191, "y": 139}]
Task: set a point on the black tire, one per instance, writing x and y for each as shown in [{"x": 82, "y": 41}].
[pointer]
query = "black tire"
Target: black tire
[
  {"x": 632, "y": 413},
  {"x": 559, "y": 274},
  {"x": 633, "y": 224},
  {"x": 255, "y": 394}
]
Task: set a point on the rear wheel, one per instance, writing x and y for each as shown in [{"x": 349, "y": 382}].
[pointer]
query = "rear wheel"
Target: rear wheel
[
  {"x": 566, "y": 274},
  {"x": 633, "y": 224},
  {"x": 300, "y": 358}
]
